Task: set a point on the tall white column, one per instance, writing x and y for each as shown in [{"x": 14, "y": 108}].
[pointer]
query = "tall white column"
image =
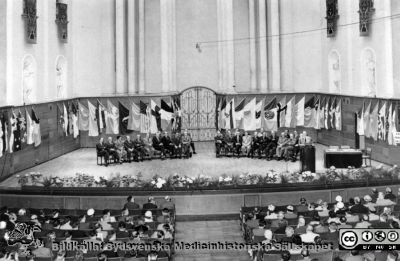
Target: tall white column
[
  {"x": 120, "y": 47},
  {"x": 389, "y": 85},
  {"x": 350, "y": 30},
  {"x": 226, "y": 60},
  {"x": 9, "y": 63},
  {"x": 132, "y": 51},
  {"x": 262, "y": 36},
  {"x": 141, "y": 47},
  {"x": 252, "y": 46},
  {"x": 275, "y": 46},
  {"x": 50, "y": 91}
]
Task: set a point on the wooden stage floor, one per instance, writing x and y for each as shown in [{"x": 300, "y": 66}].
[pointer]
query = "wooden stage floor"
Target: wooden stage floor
[{"x": 204, "y": 162}]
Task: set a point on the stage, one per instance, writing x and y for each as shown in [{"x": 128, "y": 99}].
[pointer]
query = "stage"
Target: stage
[{"x": 202, "y": 163}]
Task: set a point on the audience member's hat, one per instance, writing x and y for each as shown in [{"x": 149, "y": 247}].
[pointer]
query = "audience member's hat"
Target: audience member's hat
[
  {"x": 148, "y": 214},
  {"x": 151, "y": 198},
  {"x": 268, "y": 234},
  {"x": 90, "y": 212},
  {"x": 388, "y": 190},
  {"x": 340, "y": 205},
  {"x": 271, "y": 207},
  {"x": 339, "y": 198},
  {"x": 290, "y": 208},
  {"x": 21, "y": 212},
  {"x": 33, "y": 217},
  {"x": 357, "y": 199},
  {"x": 167, "y": 197},
  {"x": 374, "y": 190},
  {"x": 3, "y": 225},
  {"x": 367, "y": 198}
]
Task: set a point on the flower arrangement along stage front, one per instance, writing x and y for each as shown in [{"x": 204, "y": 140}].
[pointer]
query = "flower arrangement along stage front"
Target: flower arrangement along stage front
[{"x": 177, "y": 181}]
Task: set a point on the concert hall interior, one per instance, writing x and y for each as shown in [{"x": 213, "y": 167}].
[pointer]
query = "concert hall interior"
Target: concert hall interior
[{"x": 198, "y": 121}]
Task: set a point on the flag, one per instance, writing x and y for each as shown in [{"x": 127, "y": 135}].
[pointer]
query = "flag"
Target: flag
[
  {"x": 299, "y": 112},
  {"x": 360, "y": 120},
  {"x": 29, "y": 128},
  {"x": 338, "y": 114},
  {"x": 269, "y": 116},
  {"x": 112, "y": 118},
  {"x": 230, "y": 115},
  {"x": 65, "y": 115},
  {"x": 74, "y": 113},
  {"x": 317, "y": 105},
  {"x": 123, "y": 119},
  {"x": 366, "y": 120},
  {"x": 239, "y": 114},
  {"x": 281, "y": 111},
  {"x": 391, "y": 124},
  {"x": 134, "y": 118},
  {"x": 4, "y": 121},
  {"x": 382, "y": 122},
  {"x": 326, "y": 113},
  {"x": 101, "y": 117},
  {"x": 93, "y": 127},
  {"x": 37, "y": 136},
  {"x": 83, "y": 117},
  {"x": 221, "y": 113},
  {"x": 321, "y": 114},
  {"x": 393, "y": 127},
  {"x": 290, "y": 121},
  {"x": 22, "y": 127},
  {"x": 13, "y": 129},
  {"x": 177, "y": 116},
  {"x": 373, "y": 122},
  {"x": 249, "y": 112},
  {"x": 309, "y": 113},
  {"x": 258, "y": 112},
  {"x": 155, "y": 119},
  {"x": 70, "y": 119},
  {"x": 332, "y": 120},
  {"x": 166, "y": 114},
  {"x": 144, "y": 118}
]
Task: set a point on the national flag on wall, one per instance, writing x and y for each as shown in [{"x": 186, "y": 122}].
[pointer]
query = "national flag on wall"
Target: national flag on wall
[
  {"x": 75, "y": 126},
  {"x": 83, "y": 117},
  {"x": 70, "y": 119},
  {"x": 101, "y": 117},
  {"x": 155, "y": 120},
  {"x": 230, "y": 115},
  {"x": 112, "y": 118},
  {"x": 239, "y": 114},
  {"x": 360, "y": 120},
  {"x": 249, "y": 118},
  {"x": 144, "y": 118},
  {"x": 299, "y": 112},
  {"x": 317, "y": 105},
  {"x": 281, "y": 111},
  {"x": 373, "y": 119},
  {"x": 123, "y": 119},
  {"x": 269, "y": 116},
  {"x": 221, "y": 113},
  {"x": 309, "y": 113},
  {"x": 338, "y": 114},
  {"x": 1, "y": 137},
  {"x": 390, "y": 124},
  {"x": 321, "y": 113},
  {"x": 366, "y": 120},
  {"x": 332, "y": 109},
  {"x": 21, "y": 121},
  {"x": 93, "y": 121},
  {"x": 37, "y": 135},
  {"x": 258, "y": 116},
  {"x": 65, "y": 115},
  {"x": 13, "y": 128},
  {"x": 290, "y": 119},
  {"x": 382, "y": 122},
  {"x": 177, "y": 116},
  {"x": 60, "y": 120},
  {"x": 4, "y": 121},
  {"x": 326, "y": 113},
  {"x": 17, "y": 134},
  {"x": 134, "y": 118},
  {"x": 29, "y": 128},
  {"x": 166, "y": 113}
]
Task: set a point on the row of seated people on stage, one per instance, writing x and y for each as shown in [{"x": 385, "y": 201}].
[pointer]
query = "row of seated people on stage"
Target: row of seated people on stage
[
  {"x": 286, "y": 146},
  {"x": 319, "y": 222},
  {"x": 156, "y": 224},
  {"x": 126, "y": 150}
]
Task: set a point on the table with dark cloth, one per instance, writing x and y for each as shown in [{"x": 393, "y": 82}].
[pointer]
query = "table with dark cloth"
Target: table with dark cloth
[
  {"x": 343, "y": 158},
  {"x": 307, "y": 158}
]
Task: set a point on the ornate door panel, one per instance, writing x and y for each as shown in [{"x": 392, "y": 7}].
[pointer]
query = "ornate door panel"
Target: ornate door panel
[{"x": 198, "y": 113}]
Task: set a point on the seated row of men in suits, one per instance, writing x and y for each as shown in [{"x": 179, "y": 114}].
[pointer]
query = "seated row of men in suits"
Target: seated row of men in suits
[
  {"x": 286, "y": 146},
  {"x": 125, "y": 150}
]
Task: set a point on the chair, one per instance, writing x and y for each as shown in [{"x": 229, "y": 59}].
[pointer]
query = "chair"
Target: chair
[
  {"x": 367, "y": 156},
  {"x": 346, "y": 147},
  {"x": 333, "y": 147}
]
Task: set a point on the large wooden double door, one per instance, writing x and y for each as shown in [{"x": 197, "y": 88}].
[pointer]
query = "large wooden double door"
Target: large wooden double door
[{"x": 198, "y": 112}]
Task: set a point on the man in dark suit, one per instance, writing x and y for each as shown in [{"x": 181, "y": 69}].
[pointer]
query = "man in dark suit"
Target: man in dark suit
[
  {"x": 271, "y": 148},
  {"x": 167, "y": 143},
  {"x": 219, "y": 142},
  {"x": 139, "y": 147},
  {"x": 177, "y": 145},
  {"x": 228, "y": 141},
  {"x": 158, "y": 145},
  {"x": 102, "y": 151},
  {"x": 131, "y": 204},
  {"x": 265, "y": 143},
  {"x": 112, "y": 150},
  {"x": 151, "y": 204},
  {"x": 238, "y": 139},
  {"x": 130, "y": 149}
]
